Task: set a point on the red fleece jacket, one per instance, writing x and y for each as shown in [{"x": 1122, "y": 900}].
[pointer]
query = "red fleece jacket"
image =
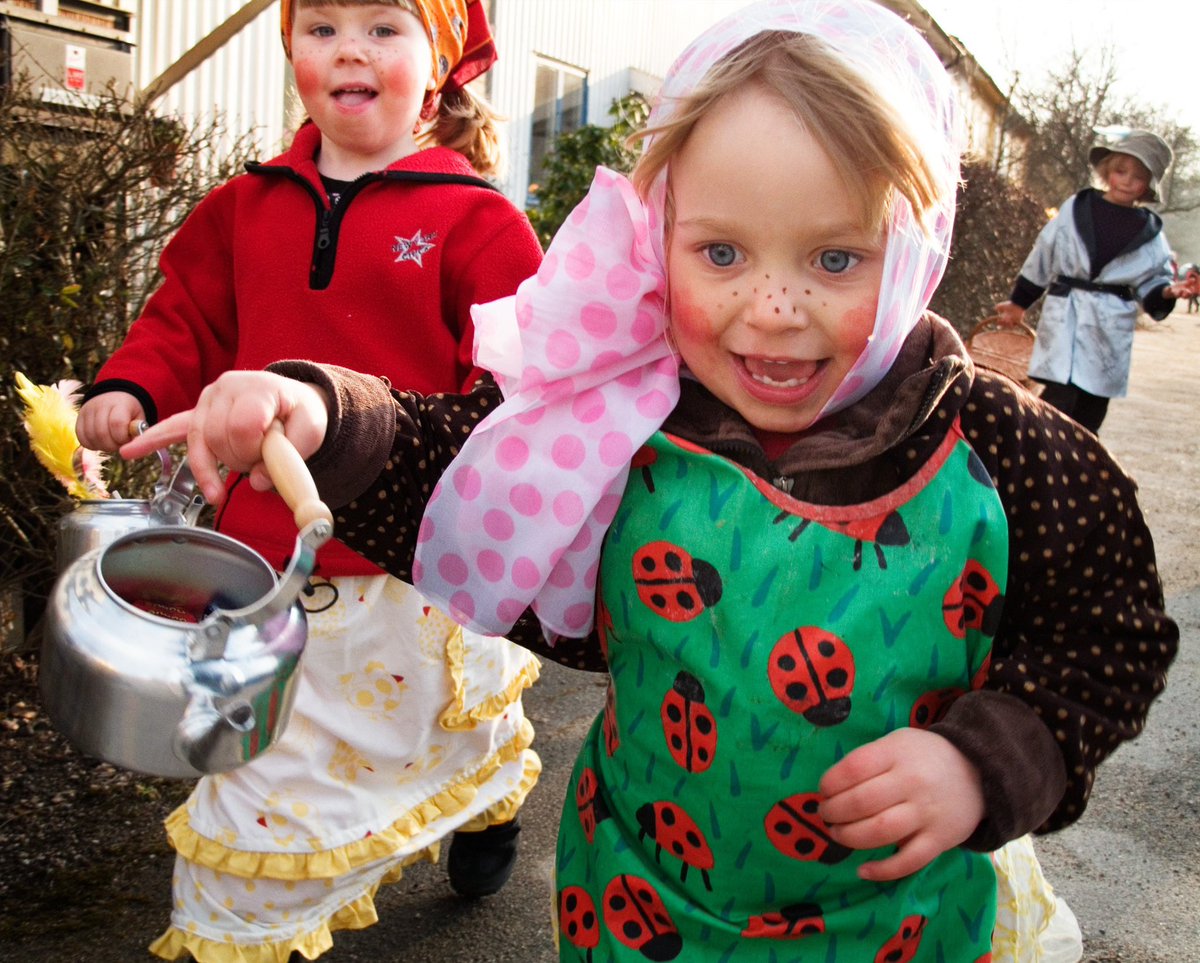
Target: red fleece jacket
[{"x": 264, "y": 270}]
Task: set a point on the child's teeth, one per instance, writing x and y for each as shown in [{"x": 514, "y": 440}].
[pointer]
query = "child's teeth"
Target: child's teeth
[
  {"x": 777, "y": 374},
  {"x": 790, "y": 383}
]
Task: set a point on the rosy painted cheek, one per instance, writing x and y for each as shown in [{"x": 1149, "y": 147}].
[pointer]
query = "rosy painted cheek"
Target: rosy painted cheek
[
  {"x": 308, "y": 76},
  {"x": 400, "y": 74},
  {"x": 689, "y": 322},
  {"x": 857, "y": 324}
]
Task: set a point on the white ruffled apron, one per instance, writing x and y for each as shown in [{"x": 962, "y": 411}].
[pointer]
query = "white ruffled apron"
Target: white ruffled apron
[{"x": 405, "y": 728}]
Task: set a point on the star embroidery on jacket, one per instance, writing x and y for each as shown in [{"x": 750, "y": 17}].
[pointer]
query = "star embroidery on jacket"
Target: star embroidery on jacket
[{"x": 413, "y": 248}]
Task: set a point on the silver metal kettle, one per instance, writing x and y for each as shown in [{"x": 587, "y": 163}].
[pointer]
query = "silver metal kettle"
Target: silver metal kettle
[
  {"x": 173, "y": 649},
  {"x": 96, "y": 522}
]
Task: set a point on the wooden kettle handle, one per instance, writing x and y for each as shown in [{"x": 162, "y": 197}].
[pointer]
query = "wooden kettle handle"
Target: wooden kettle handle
[{"x": 292, "y": 478}]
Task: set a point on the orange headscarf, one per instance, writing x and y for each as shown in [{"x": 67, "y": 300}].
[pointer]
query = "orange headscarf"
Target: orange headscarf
[{"x": 458, "y": 32}]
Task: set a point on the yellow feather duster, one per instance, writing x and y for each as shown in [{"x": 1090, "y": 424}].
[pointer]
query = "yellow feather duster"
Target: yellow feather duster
[{"x": 50, "y": 412}]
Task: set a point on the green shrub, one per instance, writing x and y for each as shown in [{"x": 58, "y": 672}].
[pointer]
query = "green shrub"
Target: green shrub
[
  {"x": 994, "y": 228},
  {"x": 571, "y": 164},
  {"x": 88, "y": 198}
]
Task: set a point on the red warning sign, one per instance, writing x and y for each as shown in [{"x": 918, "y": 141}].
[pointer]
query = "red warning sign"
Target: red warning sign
[{"x": 76, "y": 68}]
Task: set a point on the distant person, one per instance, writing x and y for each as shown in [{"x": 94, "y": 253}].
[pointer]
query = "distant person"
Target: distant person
[
  {"x": 1191, "y": 276},
  {"x": 1100, "y": 256}
]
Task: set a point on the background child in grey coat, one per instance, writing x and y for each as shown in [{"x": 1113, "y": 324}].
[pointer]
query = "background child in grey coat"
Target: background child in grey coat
[{"x": 1097, "y": 260}]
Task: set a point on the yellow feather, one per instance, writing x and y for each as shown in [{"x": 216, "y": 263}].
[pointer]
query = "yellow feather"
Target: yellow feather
[{"x": 50, "y": 421}]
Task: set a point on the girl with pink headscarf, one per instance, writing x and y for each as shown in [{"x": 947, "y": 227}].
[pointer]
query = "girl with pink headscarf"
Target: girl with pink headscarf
[{"x": 852, "y": 594}]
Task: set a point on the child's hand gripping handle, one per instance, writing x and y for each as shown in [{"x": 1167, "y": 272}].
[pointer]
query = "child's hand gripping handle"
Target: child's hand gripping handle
[{"x": 292, "y": 478}]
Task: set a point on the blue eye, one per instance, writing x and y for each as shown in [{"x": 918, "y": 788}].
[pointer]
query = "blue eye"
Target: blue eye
[
  {"x": 721, "y": 255},
  {"x": 323, "y": 31},
  {"x": 837, "y": 262},
  {"x": 385, "y": 31}
]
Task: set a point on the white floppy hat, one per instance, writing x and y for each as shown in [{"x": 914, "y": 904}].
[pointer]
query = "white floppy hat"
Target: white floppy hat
[{"x": 1148, "y": 148}]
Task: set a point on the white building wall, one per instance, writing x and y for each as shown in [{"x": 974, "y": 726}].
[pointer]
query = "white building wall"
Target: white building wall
[{"x": 243, "y": 82}]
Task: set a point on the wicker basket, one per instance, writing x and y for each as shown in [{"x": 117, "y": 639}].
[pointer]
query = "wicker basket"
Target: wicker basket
[{"x": 1003, "y": 348}]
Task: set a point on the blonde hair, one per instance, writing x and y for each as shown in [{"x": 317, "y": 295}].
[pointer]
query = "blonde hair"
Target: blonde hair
[
  {"x": 464, "y": 121},
  {"x": 859, "y": 129}
]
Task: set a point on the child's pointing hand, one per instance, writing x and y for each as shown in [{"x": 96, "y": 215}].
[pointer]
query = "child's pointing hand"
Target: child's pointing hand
[
  {"x": 912, "y": 789},
  {"x": 229, "y": 422}
]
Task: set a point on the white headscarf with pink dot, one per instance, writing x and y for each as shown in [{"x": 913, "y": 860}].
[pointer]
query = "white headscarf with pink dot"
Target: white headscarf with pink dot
[{"x": 581, "y": 354}]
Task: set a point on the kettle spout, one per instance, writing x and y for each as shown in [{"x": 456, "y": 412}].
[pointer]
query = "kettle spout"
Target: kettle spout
[{"x": 202, "y": 736}]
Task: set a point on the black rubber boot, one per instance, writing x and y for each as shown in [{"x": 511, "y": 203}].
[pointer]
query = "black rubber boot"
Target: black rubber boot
[{"x": 480, "y": 863}]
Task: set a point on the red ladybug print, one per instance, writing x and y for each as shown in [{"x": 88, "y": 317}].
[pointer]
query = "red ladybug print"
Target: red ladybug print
[
  {"x": 673, "y": 829},
  {"x": 636, "y": 916},
  {"x": 672, "y": 583},
  {"x": 589, "y": 802},
  {"x": 789, "y": 923},
  {"x": 904, "y": 945},
  {"x": 577, "y": 919},
  {"x": 689, "y": 725},
  {"x": 973, "y": 601},
  {"x": 883, "y": 530},
  {"x": 796, "y": 829},
  {"x": 932, "y": 707},
  {"x": 643, "y": 458},
  {"x": 880, "y": 531},
  {"x": 812, "y": 673},
  {"x": 612, "y": 737}
]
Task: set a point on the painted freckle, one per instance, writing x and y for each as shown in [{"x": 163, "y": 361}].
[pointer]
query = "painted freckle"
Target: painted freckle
[{"x": 807, "y": 291}]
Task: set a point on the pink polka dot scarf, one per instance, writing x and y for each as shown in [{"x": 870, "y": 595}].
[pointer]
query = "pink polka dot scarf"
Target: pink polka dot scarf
[{"x": 581, "y": 355}]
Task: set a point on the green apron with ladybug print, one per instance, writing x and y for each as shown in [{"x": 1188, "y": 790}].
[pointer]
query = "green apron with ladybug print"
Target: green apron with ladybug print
[{"x": 753, "y": 641}]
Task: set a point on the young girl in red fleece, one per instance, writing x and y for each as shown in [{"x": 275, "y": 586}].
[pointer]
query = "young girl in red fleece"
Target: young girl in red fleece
[{"x": 364, "y": 245}]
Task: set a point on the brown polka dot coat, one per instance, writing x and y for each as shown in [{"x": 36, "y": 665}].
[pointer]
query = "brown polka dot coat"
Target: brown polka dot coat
[{"x": 1083, "y": 644}]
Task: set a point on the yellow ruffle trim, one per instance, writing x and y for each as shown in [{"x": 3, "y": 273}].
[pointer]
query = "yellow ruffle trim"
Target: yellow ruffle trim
[
  {"x": 175, "y": 944},
  {"x": 328, "y": 864},
  {"x": 457, "y": 714}
]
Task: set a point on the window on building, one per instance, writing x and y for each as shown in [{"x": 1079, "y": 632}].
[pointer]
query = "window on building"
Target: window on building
[{"x": 559, "y": 105}]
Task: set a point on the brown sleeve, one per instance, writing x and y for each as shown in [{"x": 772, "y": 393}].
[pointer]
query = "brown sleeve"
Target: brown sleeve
[
  {"x": 362, "y": 426},
  {"x": 1018, "y": 760},
  {"x": 1084, "y": 641}
]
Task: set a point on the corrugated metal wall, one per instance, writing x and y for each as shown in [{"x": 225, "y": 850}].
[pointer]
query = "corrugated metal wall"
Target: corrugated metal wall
[{"x": 244, "y": 81}]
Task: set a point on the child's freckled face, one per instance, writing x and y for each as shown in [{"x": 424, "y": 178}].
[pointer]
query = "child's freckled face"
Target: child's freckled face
[
  {"x": 362, "y": 74},
  {"x": 774, "y": 280}
]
